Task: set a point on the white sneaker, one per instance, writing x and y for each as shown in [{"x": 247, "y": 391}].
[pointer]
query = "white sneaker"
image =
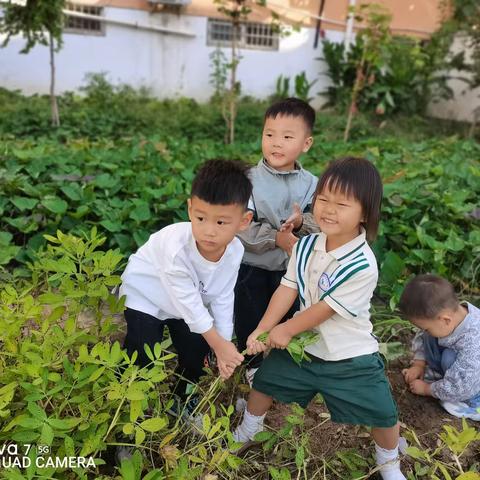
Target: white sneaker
[
  {"x": 250, "y": 374},
  {"x": 388, "y": 463},
  {"x": 391, "y": 471},
  {"x": 461, "y": 410}
]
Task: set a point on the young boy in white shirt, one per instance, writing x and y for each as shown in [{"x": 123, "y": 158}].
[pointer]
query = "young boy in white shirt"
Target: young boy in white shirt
[{"x": 184, "y": 275}]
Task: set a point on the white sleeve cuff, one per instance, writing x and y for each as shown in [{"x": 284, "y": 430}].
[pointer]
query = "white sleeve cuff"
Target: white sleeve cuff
[
  {"x": 226, "y": 331},
  {"x": 200, "y": 326},
  {"x": 288, "y": 283}
]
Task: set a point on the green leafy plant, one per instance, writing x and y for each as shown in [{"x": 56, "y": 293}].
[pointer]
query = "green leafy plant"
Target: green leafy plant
[
  {"x": 430, "y": 463},
  {"x": 282, "y": 88},
  {"x": 375, "y": 37},
  {"x": 67, "y": 386},
  {"x": 296, "y": 346},
  {"x": 303, "y": 87},
  {"x": 411, "y": 74},
  {"x": 288, "y": 444}
]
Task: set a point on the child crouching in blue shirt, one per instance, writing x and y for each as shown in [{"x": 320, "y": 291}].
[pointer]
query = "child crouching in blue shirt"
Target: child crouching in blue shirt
[
  {"x": 446, "y": 362},
  {"x": 334, "y": 273}
]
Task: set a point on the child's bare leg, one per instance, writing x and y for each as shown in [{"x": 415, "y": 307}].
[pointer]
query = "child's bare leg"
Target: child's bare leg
[
  {"x": 258, "y": 403},
  {"x": 386, "y": 437},
  {"x": 386, "y": 452},
  {"x": 253, "y": 416}
]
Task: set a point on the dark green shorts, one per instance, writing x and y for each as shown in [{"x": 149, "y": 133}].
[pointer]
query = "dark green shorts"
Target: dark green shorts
[{"x": 355, "y": 390}]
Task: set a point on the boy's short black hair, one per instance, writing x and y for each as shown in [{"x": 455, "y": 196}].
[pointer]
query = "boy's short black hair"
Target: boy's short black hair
[
  {"x": 426, "y": 296},
  {"x": 359, "y": 178},
  {"x": 293, "y": 107},
  {"x": 223, "y": 182}
]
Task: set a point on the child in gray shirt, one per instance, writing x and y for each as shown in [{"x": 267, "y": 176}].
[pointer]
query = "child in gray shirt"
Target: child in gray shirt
[{"x": 446, "y": 363}]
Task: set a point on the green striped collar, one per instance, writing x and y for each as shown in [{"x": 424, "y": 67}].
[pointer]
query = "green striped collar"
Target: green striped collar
[{"x": 346, "y": 252}]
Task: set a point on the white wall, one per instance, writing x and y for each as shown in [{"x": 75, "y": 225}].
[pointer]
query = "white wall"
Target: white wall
[
  {"x": 170, "y": 65},
  {"x": 465, "y": 101}
]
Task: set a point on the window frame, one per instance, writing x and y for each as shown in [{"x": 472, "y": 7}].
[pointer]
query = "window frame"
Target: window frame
[
  {"x": 243, "y": 41},
  {"x": 87, "y": 9}
]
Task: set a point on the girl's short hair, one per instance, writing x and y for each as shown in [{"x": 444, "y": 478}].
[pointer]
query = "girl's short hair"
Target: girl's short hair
[{"x": 359, "y": 178}]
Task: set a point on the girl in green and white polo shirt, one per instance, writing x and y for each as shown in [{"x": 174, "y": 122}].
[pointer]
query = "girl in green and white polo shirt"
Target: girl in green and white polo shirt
[{"x": 334, "y": 273}]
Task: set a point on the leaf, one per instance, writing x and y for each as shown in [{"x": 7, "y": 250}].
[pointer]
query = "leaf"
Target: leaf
[
  {"x": 127, "y": 470},
  {"x": 96, "y": 374},
  {"x": 36, "y": 411},
  {"x": 55, "y": 204},
  {"x": 111, "y": 226},
  {"x": 454, "y": 243},
  {"x": 154, "y": 475},
  {"x": 206, "y": 424},
  {"x": 128, "y": 429},
  {"x": 25, "y": 436},
  {"x": 416, "y": 453},
  {"x": 148, "y": 352},
  {"x": 468, "y": 476},
  {"x": 105, "y": 181},
  {"x": 24, "y": 203},
  {"x": 8, "y": 253},
  {"x": 135, "y": 410},
  {"x": 64, "y": 423},
  {"x": 139, "y": 435},
  {"x": 69, "y": 446},
  {"x": 51, "y": 298},
  {"x": 263, "y": 436},
  {"x": 392, "y": 268},
  {"x": 154, "y": 424},
  {"x": 300, "y": 457},
  {"x": 141, "y": 213},
  {"x": 134, "y": 393},
  {"x": 47, "y": 435},
  {"x": 5, "y": 238},
  {"x": 30, "y": 423},
  {"x": 140, "y": 237},
  {"x": 73, "y": 191}
]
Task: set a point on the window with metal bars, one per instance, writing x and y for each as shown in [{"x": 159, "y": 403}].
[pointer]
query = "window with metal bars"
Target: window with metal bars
[
  {"x": 250, "y": 35},
  {"x": 88, "y": 26}
]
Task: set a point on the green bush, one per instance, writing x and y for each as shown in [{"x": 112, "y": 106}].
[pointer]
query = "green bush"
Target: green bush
[{"x": 105, "y": 110}]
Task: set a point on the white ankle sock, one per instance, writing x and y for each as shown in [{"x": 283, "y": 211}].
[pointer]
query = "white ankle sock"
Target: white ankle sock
[
  {"x": 250, "y": 426},
  {"x": 389, "y": 462}
]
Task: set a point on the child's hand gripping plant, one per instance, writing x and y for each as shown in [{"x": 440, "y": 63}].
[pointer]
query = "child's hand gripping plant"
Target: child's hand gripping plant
[{"x": 296, "y": 346}]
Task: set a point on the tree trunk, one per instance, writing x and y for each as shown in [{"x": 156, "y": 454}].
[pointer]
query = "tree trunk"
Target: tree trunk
[
  {"x": 233, "y": 84},
  {"x": 53, "y": 98},
  {"x": 357, "y": 87},
  {"x": 473, "y": 125}
]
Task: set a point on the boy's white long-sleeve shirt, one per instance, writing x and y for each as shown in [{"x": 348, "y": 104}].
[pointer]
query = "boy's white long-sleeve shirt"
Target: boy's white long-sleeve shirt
[{"x": 168, "y": 278}]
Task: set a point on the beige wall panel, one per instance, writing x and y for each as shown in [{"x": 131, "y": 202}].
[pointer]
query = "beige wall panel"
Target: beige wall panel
[
  {"x": 408, "y": 15},
  {"x": 417, "y": 17}
]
